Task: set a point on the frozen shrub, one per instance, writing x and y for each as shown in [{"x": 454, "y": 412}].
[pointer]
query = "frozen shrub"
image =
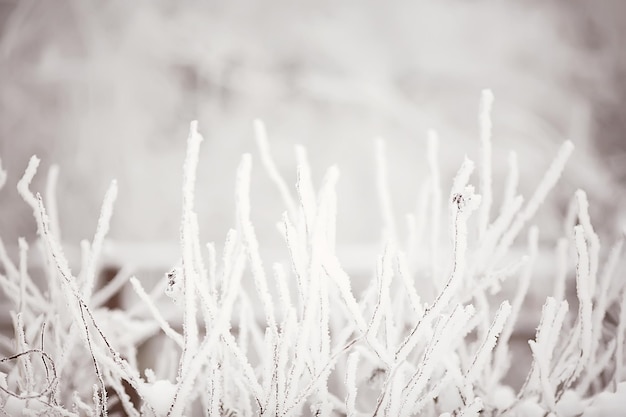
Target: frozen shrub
[{"x": 300, "y": 341}]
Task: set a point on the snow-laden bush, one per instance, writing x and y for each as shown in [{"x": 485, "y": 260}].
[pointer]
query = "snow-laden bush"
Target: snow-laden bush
[{"x": 425, "y": 337}]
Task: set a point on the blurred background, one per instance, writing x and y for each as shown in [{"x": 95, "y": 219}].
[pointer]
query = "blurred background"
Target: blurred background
[{"x": 107, "y": 89}]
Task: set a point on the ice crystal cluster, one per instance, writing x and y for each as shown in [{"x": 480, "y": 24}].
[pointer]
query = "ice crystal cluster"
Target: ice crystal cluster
[{"x": 430, "y": 335}]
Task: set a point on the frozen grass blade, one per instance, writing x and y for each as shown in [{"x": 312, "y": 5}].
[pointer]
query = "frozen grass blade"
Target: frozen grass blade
[
  {"x": 620, "y": 337},
  {"x": 190, "y": 327},
  {"x": 502, "y": 353},
  {"x": 512, "y": 180},
  {"x": 250, "y": 240},
  {"x": 484, "y": 351},
  {"x": 435, "y": 200},
  {"x": 591, "y": 237},
  {"x": 561, "y": 269},
  {"x": 583, "y": 284},
  {"x": 544, "y": 376},
  {"x": 271, "y": 169},
  {"x": 145, "y": 298},
  {"x": 351, "y": 384},
  {"x": 51, "y": 200},
  {"x": 546, "y": 184},
  {"x": 3, "y": 176},
  {"x": 486, "y": 103},
  {"x": 306, "y": 191},
  {"x": 384, "y": 197},
  {"x": 102, "y": 229},
  {"x": 24, "y": 183}
]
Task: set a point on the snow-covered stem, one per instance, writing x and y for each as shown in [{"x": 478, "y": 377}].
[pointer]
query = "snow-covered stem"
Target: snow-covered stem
[
  {"x": 3, "y": 176},
  {"x": 250, "y": 240},
  {"x": 407, "y": 280},
  {"x": 271, "y": 169},
  {"x": 306, "y": 191},
  {"x": 583, "y": 283},
  {"x": 595, "y": 369},
  {"x": 190, "y": 327},
  {"x": 435, "y": 201},
  {"x": 502, "y": 354},
  {"x": 145, "y": 298},
  {"x": 384, "y": 197},
  {"x": 51, "y": 200},
  {"x": 601, "y": 301},
  {"x": 486, "y": 103},
  {"x": 104, "y": 221},
  {"x": 620, "y": 337},
  {"x": 512, "y": 179},
  {"x": 351, "y": 384},
  {"x": 592, "y": 238},
  {"x": 484, "y": 351},
  {"x": 499, "y": 227},
  {"x": 561, "y": 269},
  {"x": 212, "y": 270},
  {"x": 446, "y": 330},
  {"x": 543, "y": 368},
  {"x": 555, "y": 326},
  {"x": 24, "y": 184},
  {"x": 546, "y": 184},
  {"x": 23, "y": 274},
  {"x": 462, "y": 203}
]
